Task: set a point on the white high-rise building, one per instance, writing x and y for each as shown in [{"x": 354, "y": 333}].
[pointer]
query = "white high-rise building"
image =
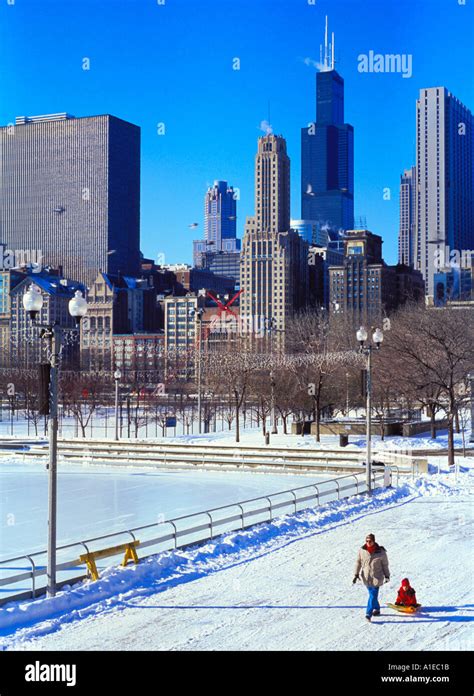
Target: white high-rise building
[{"x": 445, "y": 180}]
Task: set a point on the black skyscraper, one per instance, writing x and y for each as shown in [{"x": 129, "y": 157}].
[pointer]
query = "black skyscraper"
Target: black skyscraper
[
  {"x": 70, "y": 187},
  {"x": 327, "y": 158}
]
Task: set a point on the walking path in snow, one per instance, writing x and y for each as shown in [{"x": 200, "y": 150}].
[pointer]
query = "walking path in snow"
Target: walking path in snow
[{"x": 284, "y": 585}]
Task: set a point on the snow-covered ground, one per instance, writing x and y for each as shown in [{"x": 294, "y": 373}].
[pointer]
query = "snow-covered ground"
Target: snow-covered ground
[
  {"x": 253, "y": 437},
  {"x": 102, "y": 424},
  {"x": 250, "y": 436},
  {"x": 282, "y": 585}
]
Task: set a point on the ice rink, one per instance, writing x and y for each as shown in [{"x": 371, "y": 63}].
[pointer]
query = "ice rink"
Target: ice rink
[{"x": 95, "y": 500}]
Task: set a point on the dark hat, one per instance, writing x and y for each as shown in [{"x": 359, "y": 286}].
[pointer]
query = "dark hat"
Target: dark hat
[{"x": 371, "y": 536}]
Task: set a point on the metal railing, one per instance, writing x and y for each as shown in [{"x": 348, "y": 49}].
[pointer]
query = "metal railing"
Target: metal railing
[{"x": 180, "y": 534}]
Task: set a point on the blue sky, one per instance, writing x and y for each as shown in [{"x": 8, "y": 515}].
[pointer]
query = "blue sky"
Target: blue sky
[{"x": 172, "y": 63}]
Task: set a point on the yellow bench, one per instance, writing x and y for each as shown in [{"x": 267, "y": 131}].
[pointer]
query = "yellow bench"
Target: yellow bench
[{"x": 90, "y": 558}]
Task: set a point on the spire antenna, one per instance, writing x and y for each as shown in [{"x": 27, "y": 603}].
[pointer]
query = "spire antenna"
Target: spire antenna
[{"x": 326, "y": 51}]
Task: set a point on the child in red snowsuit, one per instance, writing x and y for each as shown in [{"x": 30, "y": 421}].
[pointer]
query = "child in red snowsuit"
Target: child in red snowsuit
[{"x": 406, "y": 595}]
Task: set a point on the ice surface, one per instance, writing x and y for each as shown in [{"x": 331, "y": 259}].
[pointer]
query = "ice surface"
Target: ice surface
[{"x": 95, "y": 500}]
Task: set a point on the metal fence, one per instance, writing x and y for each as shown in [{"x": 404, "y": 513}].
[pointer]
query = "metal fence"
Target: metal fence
[{"x": 180, "y": 531}]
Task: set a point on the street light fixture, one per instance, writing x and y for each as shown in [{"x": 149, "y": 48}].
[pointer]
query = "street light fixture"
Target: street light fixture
[
  {"x": 117, "y": 378},
  {"x": 377, "y": 339},
  {"x": 33, "y": 303},
  {"x": 78, "y": 307}
]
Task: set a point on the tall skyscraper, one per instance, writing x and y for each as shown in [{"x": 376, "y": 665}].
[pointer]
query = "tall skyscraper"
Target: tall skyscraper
[
  {"x": 327, "y": 153},
  {"x": 220, "y": 222},
  {"x": 272, "y": 185},
  {"x": 219, "y": 251},
  {"x": 274, "y": 265},
  {"x": 406, "y": 237},
  {"x": 445, "y": 180},
  {"x": 220, "y": 214},
  {"x": 70, "y": 187}
]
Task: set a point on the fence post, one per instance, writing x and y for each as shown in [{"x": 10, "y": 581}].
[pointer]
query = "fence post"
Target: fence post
[
  {"x": 175, "y": 534},
  {"x": 33, "y": 571},
  {"x": 210, "y": 524},
  {"x": 242, "y": 513},
  {"x": 317, "y": 493},
  {"x": 271, "y": 511}
]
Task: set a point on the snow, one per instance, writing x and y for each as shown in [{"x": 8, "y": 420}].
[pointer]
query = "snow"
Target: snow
[
  {"x": 250, "y": 436},
  {"x": 284, "y": 585}
]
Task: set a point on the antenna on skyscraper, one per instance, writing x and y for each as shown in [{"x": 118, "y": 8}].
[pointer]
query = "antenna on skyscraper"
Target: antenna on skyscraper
[
  {"x": 360, "y": 223},
  {"x": 329, "y": 51},
  {"x": 326, "y": 51}
]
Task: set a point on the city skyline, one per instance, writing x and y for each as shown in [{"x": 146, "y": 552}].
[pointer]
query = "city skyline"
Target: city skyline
[{"x": 216, "y": 139}]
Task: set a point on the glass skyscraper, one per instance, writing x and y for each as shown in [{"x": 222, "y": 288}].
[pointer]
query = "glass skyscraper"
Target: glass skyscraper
[
  {"x": 327, "y": 158},
  {"x": 220, "y": 223}
]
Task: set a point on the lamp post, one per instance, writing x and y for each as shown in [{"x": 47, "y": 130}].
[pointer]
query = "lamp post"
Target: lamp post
[
  {"x": 117, "y": 378},
  {"x": 366, "y": 349},
  {"x": 270, "y": 327},
  {"x": 347, "y": 394},
  {"x": 33, "y": 303},
  {"x": 471, "y": 380},
  {"x": 198, "y": 312}
]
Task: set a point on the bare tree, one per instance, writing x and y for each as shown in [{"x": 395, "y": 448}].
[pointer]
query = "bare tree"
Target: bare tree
[
  {"x": 28, "y": 383},
  {"x": 287, "y": 394},
  {"x": 435, "y": 349},
  {"x": 261, "y": 389},
  {"x": 82, "y": 394},
  {"x": 317, "y": 353},
  {"x": 230, "y": 375}
]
